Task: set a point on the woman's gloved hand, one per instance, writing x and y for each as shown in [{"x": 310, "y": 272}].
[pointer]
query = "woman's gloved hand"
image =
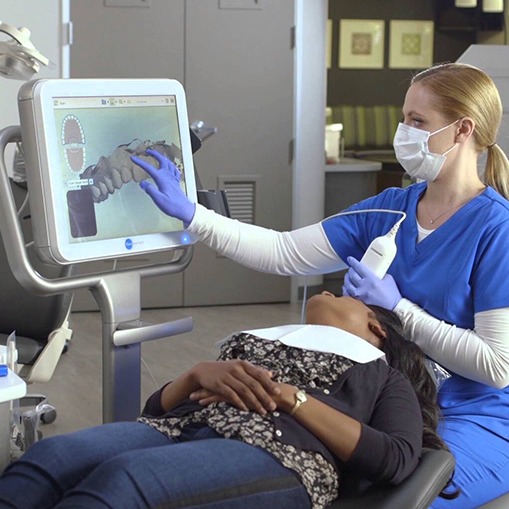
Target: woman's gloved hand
[
  {"x": 361, "y": 283},
  {"x": 168, "y": 195}
]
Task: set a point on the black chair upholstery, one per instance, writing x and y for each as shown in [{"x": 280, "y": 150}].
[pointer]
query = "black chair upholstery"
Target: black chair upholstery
[
  {"x": 417, "y": 492},
  {"x": 33, "y": 318}
]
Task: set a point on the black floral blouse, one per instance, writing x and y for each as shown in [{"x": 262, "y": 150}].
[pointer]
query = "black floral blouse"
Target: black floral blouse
[{"x": 302, "y": 368}]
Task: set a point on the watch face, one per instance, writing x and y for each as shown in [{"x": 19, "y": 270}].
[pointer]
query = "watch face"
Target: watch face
[{"x": 301, "y": 396}]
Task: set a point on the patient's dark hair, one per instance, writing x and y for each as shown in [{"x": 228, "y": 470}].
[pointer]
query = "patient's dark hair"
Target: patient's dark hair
[{"x": 409, "y": 359}]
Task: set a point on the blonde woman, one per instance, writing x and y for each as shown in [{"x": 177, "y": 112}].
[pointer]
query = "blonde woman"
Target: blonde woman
[{"x": 448, "y": 280}]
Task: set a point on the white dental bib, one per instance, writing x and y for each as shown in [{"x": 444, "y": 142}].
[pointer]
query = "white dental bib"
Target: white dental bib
[{"x": 322, "y": 338}]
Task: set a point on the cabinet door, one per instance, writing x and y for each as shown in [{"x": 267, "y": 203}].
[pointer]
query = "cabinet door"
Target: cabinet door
[
  {"x": 130, "y": 42},
  {"x": 116, "y": 40},
  {"x": 239, "y": 76}
]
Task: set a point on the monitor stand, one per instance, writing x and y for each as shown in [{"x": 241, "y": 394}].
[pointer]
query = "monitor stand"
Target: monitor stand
[{"x": 118, "y": 295}]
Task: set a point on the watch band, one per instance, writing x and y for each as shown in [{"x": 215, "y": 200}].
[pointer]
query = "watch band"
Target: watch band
[{"x": 300, "y": 398}]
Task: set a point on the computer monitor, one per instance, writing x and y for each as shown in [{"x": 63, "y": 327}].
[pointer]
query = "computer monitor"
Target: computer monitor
[{"x": 78, "y": 136}]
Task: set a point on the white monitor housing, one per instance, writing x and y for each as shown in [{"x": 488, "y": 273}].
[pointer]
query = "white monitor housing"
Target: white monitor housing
[{"x": 78, "y": 137}]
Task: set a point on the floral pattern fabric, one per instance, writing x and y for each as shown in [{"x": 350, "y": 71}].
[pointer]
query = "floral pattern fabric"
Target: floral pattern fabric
[{"x": 299, "y": 367}]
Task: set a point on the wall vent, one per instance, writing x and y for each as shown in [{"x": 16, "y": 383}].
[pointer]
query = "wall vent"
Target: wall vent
[{"x": 241, "y": 192}]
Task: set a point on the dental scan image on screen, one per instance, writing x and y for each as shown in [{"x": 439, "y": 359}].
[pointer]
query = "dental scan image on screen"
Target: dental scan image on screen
[
  {"x": 91, "y": 186},
  {"x": 100, "y": 180}
]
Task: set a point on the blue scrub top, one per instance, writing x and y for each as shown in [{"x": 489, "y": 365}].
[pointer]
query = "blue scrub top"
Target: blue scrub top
[{"x": 458, "y": 270}]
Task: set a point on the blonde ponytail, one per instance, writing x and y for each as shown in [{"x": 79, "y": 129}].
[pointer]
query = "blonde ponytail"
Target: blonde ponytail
[{"x": 496, "y": 174}]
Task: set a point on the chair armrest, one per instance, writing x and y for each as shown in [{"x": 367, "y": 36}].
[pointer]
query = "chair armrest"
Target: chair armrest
[{"x": 416, "y": 492}]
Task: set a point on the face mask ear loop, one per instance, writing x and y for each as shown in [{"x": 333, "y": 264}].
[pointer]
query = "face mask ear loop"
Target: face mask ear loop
[
  {"x": 442, "y": 129},
  {"x": 445, "y": 127},
  {"x": 447, "y": 151}
]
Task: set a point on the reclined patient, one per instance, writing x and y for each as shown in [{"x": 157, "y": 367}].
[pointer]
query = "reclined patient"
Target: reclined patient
[{"x": 268, "y": 424}]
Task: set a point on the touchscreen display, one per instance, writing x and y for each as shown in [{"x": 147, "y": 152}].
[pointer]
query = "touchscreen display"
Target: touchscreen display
[
  {"x": 78, "y": 139},
  {"x": 100, "y": 183}
]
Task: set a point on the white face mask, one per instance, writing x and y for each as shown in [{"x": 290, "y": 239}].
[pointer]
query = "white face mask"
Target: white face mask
[{"x": 412, "y": 152}]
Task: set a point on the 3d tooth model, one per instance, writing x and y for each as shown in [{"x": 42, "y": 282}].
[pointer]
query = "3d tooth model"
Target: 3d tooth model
[{"x": 113, "y": 171}]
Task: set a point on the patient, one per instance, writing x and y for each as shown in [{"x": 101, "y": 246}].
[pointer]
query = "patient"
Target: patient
[{"x": 241, "y": 433}]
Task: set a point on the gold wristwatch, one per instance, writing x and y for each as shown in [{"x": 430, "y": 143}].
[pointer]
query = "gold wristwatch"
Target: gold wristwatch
[{"x": 300, "y": 397}]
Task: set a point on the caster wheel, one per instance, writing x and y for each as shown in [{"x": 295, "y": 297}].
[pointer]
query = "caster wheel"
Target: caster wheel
[{"x": 49, "y": 416}]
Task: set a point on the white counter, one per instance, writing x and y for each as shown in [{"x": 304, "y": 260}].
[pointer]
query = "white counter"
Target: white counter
[
  {"x": 349, "y": 164},
  {"x": 11, "y": 387}
]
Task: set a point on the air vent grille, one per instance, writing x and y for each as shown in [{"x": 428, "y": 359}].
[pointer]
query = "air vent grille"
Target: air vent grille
[{"x": 241, "y": 195}]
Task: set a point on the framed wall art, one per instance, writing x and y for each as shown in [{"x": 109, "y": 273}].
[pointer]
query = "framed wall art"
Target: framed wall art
[
  {"x": 361, "y": 43},
  {"x": 411, "y": 44}
]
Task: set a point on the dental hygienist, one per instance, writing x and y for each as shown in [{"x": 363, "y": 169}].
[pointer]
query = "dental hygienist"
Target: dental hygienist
[{"x": 448, "y": 282}]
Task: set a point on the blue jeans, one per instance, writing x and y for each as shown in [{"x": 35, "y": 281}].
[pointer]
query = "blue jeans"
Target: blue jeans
[{"x": 130, "y": 465}]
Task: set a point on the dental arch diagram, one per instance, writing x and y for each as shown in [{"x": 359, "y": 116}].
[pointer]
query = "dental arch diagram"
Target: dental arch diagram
[
  {"x": 113, "y": 171},
  {"x": 116, "y": 169}
]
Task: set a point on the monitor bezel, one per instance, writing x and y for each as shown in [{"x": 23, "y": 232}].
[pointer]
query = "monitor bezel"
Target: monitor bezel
[{"x": 51, "y": 234}]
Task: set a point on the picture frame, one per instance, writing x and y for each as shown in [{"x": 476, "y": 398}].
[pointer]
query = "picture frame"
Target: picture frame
[
  {"x": 361, "y": 43},
  {"x": 411, "y": 44}
]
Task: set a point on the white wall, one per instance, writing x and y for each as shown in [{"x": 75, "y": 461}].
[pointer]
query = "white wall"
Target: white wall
[{"x": 310, "y": 98}]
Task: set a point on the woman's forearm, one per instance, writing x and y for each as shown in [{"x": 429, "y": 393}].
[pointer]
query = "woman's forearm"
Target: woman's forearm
[
  {"x": 302, "y": 251},
  {"x": 339, "y": 432},
  {"x": 237, "y": 382},
  {"x": 481, "y": 354},
  {"x": 385, "y": 450},
  {"x": 177, "y": 391}
]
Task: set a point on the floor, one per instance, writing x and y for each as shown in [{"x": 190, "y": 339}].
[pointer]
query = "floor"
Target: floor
[{"x": 76, "y": 386}]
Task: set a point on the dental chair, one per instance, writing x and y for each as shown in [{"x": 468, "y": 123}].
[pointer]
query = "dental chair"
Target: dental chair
[
  {"x": 40, "y": 323},
  {"x": 417, "y": 492}
]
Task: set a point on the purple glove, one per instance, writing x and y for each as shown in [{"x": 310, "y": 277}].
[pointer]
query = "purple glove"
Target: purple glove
[
  {"x": 168, "y": 195},
  {"x": 361, "y": 283}
]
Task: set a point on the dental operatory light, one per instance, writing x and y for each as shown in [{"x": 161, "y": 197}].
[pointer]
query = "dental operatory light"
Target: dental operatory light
[{"x": 19, "y": 59}]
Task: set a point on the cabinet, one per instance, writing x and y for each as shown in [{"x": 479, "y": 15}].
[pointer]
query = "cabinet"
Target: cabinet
[
  {"x": 492, "y": 59},
  {"x": 349, "y": 182}
]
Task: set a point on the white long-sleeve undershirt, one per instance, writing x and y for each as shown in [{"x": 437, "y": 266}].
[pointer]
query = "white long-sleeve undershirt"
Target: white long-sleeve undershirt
[
  {"x": 481, "y": 354},
  {"x": 305, "y": 251}
]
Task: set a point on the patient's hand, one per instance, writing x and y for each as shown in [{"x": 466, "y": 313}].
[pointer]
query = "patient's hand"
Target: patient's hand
[{"x": 238, "y": 382}]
